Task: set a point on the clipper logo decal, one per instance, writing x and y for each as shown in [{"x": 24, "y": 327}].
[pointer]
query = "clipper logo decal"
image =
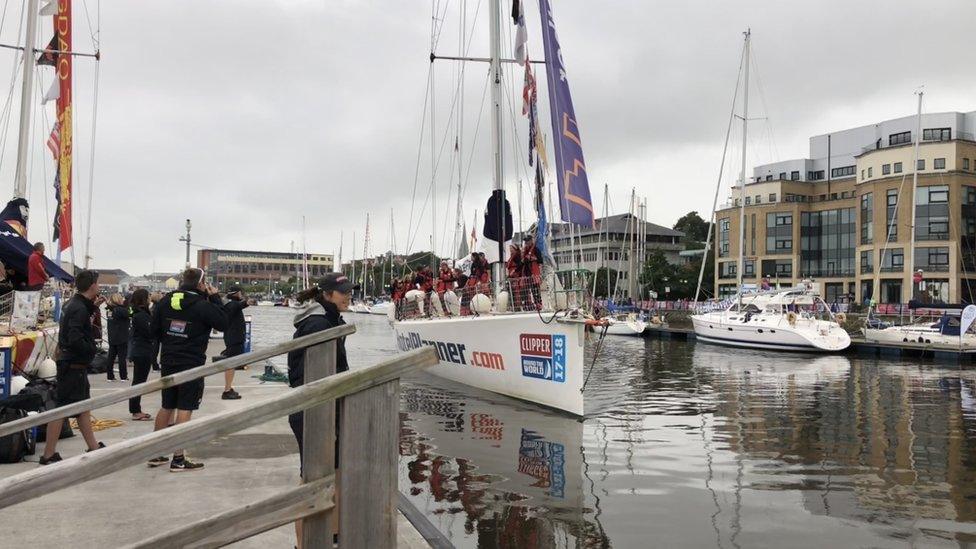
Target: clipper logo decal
[{"x": 543, "y": 356}]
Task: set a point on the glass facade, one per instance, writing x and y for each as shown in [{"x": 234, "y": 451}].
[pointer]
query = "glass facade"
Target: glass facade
[
  {"x": 932, "y": 213},
  {"x": 779, "y": 233},
  {"x": 727, "y": 269},
  {"x": 967, "y": 229},
  {"x": 867, "y": 218},
  {"x": 891, "y": 291},
  {"x": 827, "y": 243},
  {"x": 932, "y": 259},
  {"x": 867, "y": 261}
]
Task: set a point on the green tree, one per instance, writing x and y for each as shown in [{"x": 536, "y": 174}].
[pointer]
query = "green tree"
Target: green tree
[
  {"x": 694, "y": 227},
  {"x": 605, "y": 278}
]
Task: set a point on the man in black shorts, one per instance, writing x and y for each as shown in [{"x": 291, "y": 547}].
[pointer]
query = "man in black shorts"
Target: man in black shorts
[
  {"x": 76, "y": 349},
  {"x": 182, "y": 322},
  {"x": 234, "y": 336}
]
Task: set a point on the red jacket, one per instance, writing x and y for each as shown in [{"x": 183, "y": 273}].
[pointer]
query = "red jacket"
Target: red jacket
[{"x": 36, "y": 275}]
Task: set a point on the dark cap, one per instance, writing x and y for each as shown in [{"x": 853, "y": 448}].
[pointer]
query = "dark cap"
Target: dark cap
[
  {"x": 337, "y": 282},
  {"x": 234, "y": 289}
]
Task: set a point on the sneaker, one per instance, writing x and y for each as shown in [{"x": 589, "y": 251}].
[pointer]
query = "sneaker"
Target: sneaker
[
  {"x": 157, "y": 461},
  {"x": 181, "y": 465},
  {"x": 230, "y": 395},
  {"x": 55, "y": 457}
]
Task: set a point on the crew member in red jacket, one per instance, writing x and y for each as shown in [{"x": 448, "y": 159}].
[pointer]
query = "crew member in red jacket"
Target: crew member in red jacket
[
  {"x": 36, "y": 275},
  {"x": 445, "y": 278},
  {"x": 532, "y": 269},
  {"x": 514, "y": 269}
]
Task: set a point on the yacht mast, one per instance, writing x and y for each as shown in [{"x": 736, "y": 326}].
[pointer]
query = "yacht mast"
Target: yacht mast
[
  {"x": 911, "y": 243},
  {"x": 497, "y": 147},
  {"x": 742, "y": 174},
  {"x": 20, "y": 179}
]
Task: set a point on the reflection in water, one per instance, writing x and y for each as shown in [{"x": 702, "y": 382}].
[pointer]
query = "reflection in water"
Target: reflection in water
[{"x": 690, "y": 445}]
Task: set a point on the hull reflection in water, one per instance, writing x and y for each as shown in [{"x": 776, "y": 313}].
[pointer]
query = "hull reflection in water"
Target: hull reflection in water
[{"x": 493, "y": 474}]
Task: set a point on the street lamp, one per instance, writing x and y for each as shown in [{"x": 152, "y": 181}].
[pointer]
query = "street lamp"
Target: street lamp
[{"x": 187, "y": 240}]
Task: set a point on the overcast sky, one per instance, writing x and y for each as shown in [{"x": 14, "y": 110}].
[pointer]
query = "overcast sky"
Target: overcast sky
[{"x": 246, "y": 115}]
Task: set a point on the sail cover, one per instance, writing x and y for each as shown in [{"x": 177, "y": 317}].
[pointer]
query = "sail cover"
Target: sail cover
[
  {"x": 574, "y": 189},
  {"x": 14, "y": 248},
  {"x": 498, "y": 226}
]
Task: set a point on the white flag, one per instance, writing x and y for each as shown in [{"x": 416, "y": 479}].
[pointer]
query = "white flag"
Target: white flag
[
  {"x": 54, "y": 92},
  {"x": 968, "y": 316},
  {"x": 51, "y": 8},
  {"x": 521, "y": 35}
]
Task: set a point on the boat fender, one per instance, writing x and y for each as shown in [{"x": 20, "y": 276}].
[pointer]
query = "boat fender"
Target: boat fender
[
  {"x": 481, "y": 304},
  {"x": 416, "y": 296},
  {"x": 841, "y": 318},
  {"x": 453, "y": 303},
  {"x": 501, "y": 302},
  {"x": 791, "y": 318},
  {"x": 17, "y": 383},
  {"x": 48, "y": 369}
]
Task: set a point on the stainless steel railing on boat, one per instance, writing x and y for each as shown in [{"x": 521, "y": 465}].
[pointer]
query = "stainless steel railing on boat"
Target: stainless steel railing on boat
[{"x": 369, "y": 427}]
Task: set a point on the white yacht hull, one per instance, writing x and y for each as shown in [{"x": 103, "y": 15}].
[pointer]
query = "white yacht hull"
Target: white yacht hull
[
  {"x": 360, "y": 308},
  {"x": 383, "y": 308},
  {"x": 776, "y": 333},
  {"x": 515, "y": 354},
  {"x": 919, "y": 334},
  {"x": 626, "y": 327}
]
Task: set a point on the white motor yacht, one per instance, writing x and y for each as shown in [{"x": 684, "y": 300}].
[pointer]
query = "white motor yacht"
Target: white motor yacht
[{"x": 785, "y": 320}]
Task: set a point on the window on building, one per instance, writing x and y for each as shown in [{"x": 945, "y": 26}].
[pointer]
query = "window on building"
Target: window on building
[
  {"x": 815, "y": 175},
  {"x": 782, "y": 176},
  {"x": 921, "y": 164},
  {"x": 892, "y": 260},
  {"x": 899, "y": 138},
  {"x": 779, "y": 233},
  {"x": 833, "y": 196},
  {"x": 862, "y": 175},
  {"x": 867, "y": 218},
  {"x": 885, "y": 169},
  {"x": 967, "y": 238},
  {"x": 758, "y": 199},
  {"x": 965, "y": 163},
  {"x": 935, "y": 291},
  {"x": 891, "y": 219},
  {"x": 794, "y": 176},
  {"x": 723, "y": 237},
  {"x": 937, "y": 134},
  {"x": 891, "y": 291},
  {"x": 769, "y": 178},
  {"x": 784, "y": 269},
  {"x": 749, "y": 269},
  {"x": 867, "y": 261},
  {"x": 748, "y": 200},
  {"x": 932, "y": 259},
  {"x": 772, "y": 197},
  {"x": 845, "y": 171},
  {"x": 932, "y": 213},
  {"x": 867, "y": 290},
  {"x": 727, "y": 269},
  {"x": 897, "y": 167},
  {"x": 870, "y": 172},
  {"x": 938, "y": 164}
]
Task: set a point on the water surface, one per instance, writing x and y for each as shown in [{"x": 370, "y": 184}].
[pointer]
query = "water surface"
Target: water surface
[{"x": 692, "y": 445}]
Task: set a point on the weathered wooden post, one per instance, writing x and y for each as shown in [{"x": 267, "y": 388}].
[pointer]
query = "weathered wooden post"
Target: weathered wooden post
[
  {"x": 319, "y": 441},
  {"x": 368, "y": 454}
]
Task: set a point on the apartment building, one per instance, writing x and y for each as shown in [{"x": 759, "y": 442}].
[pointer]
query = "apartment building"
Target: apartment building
[{"x": 845, "y": 216}]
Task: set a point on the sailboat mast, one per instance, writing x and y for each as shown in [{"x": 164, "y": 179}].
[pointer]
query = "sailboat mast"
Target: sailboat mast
[
  {"x": 497, "y": 165},
  {"x": 911, "y": 243},
  {"x": 26, "y": 102},
  {"x": 742, "y": 173}
]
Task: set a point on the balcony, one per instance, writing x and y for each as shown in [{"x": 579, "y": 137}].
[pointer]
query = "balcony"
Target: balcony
[
  {"x": 933, "y": 268},
  {"x": 893, "y": 269}
]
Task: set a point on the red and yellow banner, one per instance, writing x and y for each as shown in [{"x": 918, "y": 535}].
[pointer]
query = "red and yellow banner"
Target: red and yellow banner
[{"x": 62, "y": 29}]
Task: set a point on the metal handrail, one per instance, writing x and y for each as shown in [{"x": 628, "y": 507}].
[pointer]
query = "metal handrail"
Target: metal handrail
[{"x": 121, "y": 395}]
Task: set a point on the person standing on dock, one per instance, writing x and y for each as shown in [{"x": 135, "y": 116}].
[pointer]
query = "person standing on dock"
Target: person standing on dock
[
  {"x": 233, "y": 337},
  {"x": 324, "y": 305},
  {"x": 182, "y": 321},
  {"x": 118, "y": 337},
  {"x": 36, "y": 274},
  {"x": 141, "y": 345},
  {"x": 76, "y": 349}
]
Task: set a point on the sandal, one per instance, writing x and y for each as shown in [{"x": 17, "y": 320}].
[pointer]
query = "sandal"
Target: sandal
[{"x": 141, "y": 417}]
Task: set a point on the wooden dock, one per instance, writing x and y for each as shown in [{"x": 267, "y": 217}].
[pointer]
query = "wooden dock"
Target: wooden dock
[{"x": 860, "y": 346}]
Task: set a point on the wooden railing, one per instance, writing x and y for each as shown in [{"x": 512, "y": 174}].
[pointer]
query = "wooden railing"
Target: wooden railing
[{"x": 368, "y": 449}]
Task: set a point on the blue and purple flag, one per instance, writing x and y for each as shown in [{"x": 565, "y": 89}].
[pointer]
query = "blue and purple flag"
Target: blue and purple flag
[{"x": 574, "y": 189}]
